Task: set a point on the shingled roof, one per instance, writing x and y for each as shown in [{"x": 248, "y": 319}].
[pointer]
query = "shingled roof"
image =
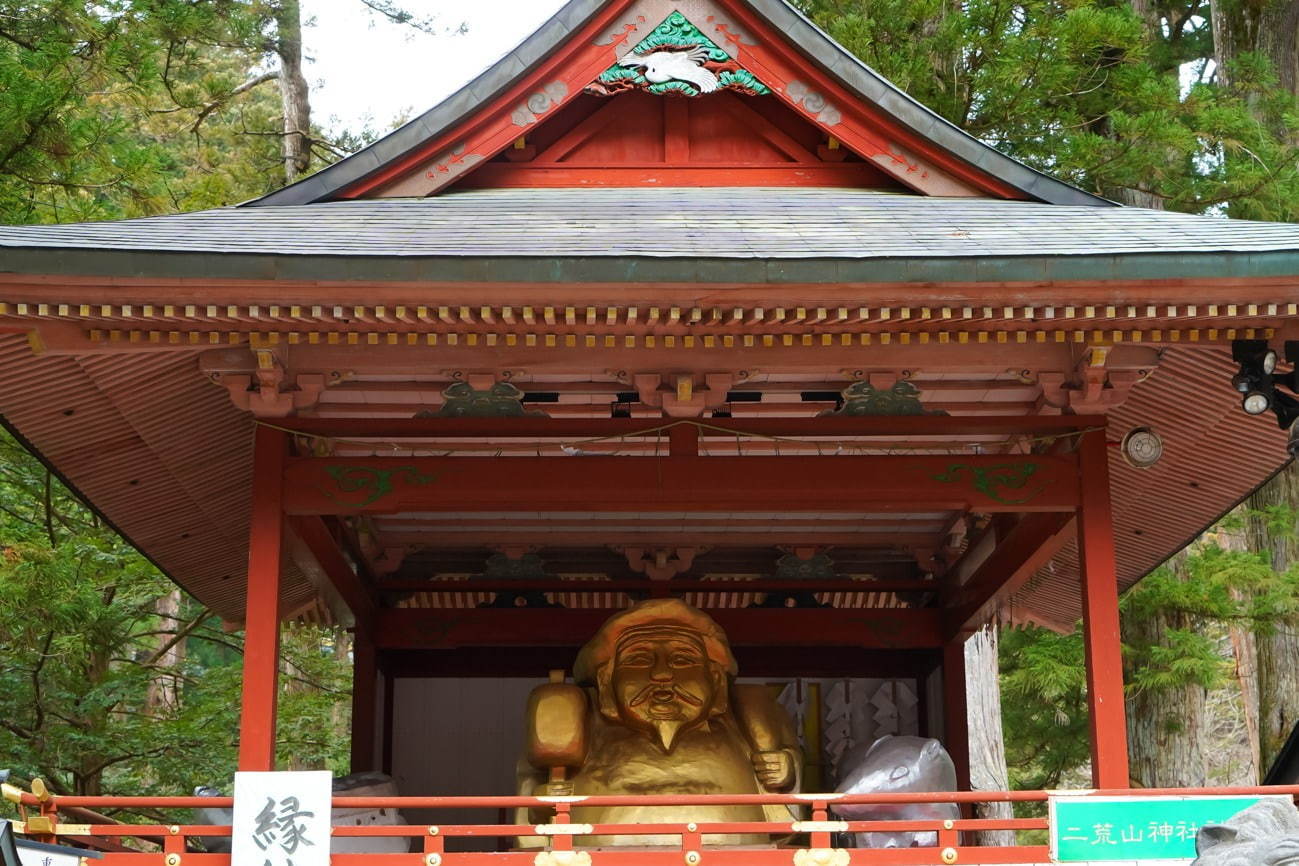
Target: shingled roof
[{"x": 799, "y": 225}]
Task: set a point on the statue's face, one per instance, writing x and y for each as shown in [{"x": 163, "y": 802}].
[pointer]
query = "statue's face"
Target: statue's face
[{"x": 662, "y": 682}]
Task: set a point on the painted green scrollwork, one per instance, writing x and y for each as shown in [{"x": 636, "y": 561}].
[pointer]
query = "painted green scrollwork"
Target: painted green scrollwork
[
  {"x": 501, "y": 400},
  {"x": 995, "y": 482},
  {"x": 374, "y": 483},
  {"x": 677, "y": 33},
  {"x": 863, "y": 398}
]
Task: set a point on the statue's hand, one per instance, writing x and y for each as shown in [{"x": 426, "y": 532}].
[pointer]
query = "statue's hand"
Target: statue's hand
[
  {"x": 775, "y": 769},
  {"x": 556, "y": 789}
]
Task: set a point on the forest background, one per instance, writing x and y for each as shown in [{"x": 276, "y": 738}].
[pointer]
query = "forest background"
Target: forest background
[{"x": 113, "y": 681}]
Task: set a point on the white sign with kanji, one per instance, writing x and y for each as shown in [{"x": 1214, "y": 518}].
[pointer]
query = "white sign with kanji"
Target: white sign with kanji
[{"x": 282, "y": 819}]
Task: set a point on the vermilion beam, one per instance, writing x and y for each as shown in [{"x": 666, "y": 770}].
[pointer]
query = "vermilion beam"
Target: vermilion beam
[
  {"x": 326, "y": 485},
  {"x": 441, "y": 628},
  {"x": 568, "y": 428},
  {"x": 754, "y": 661},
  {"x": 262, "y": 621},
  {"x": 1101, "y": 617},
  {"x": 1016, "y": 558},
  {"x": 676, "y": 585}
]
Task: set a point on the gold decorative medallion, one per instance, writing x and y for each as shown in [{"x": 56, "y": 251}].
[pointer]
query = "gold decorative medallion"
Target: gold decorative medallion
[{"x": 822, "y": 857}]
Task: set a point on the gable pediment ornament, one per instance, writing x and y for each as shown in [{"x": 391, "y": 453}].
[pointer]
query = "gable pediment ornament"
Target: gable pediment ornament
[{"x": 677, "y": 59}]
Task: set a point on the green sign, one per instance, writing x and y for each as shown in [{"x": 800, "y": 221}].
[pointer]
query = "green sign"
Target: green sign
[{"x": 1089, "y": 829}]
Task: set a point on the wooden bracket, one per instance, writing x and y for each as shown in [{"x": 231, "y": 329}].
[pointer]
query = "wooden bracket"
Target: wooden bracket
[
  {"x": 683, "y": 395},
  {"x": 661, "y": 563},
  {"x": 266, "y": 388}
]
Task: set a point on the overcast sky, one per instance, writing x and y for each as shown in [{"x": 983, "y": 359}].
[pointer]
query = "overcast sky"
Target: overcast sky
[{"x": 364, "y": 68}]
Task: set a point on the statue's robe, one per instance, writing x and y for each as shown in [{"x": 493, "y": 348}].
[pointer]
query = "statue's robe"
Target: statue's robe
[{"x": 715, "y": 758}]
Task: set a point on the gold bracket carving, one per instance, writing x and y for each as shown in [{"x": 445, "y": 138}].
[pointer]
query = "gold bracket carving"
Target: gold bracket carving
[{"x": 39, "y": 824}]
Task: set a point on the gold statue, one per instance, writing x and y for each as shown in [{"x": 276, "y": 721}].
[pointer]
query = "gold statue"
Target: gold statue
[{"x": 655, "y": 711}]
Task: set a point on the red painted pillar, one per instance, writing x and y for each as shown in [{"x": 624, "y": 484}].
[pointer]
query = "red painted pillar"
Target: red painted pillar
[
  {"x": 956, "y": 722},
  {"x": 365, "y": 697},
  {"x": 1100, "y": 597},
  {"x": 262, "y": 619}
]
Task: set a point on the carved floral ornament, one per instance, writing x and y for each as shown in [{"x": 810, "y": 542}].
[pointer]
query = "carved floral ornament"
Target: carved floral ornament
[{"x": 677, "y": 59}]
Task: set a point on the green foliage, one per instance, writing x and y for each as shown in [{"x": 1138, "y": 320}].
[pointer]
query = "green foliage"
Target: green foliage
[
  {"x": 1090, "y": 92},
  {"x": 123, "y": 108},
  {"x": 1043, "y": 674},
  {"x": 1044, "y": 706},
  {"x": 90, "y": 699}
]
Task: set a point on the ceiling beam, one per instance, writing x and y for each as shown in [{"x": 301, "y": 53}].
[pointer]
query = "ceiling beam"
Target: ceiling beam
[
  {"x": 333, "y": 485},
  {"x": 567, "y": 428},
  {"x": 1027, "y": 547},
  {"x": 323, "y": 557},
  {"x": 442, "y": 628},
  {"x": 753, "y": 661},
  {"x": 674, "y": 586},
  {"x": 596, "y": 536}
]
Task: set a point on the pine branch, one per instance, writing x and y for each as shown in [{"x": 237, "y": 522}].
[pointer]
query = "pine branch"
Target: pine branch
[{"x": 241, "y": 89}]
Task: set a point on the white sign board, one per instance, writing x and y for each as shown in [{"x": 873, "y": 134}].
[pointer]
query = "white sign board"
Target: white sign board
[
  {"x": 48, "y": 855},
  {"x": 281, "y": 819}
]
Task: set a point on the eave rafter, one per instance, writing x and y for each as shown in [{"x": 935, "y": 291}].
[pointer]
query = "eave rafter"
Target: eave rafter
[{"x": 80, "y": 328}]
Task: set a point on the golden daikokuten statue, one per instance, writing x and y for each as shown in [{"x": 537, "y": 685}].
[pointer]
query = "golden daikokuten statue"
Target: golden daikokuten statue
[{"x": 656, "y": 711}]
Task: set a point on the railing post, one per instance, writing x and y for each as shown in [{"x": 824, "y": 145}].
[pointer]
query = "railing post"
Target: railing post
[
  {"x": 820, "y": 814},
  {"x": 562, "y": 841},
  {"x": 1100, "y": 596},
  {"x": 433, "y": 843},
  {"x": 262, "y": 602}
]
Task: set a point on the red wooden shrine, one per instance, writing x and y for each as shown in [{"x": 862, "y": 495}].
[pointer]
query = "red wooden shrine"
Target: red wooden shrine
[{"x": 671, "y": 295}]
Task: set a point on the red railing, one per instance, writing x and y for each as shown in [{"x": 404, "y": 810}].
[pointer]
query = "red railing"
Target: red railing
[{"x": 803, "y": 843}]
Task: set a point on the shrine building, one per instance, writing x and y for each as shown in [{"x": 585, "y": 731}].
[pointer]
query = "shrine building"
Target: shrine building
[{"x": 677, "y": 300}]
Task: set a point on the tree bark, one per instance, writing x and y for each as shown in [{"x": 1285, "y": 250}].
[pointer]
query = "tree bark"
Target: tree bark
[
  {"x": 987, "y": 745},
  {"x": 1266, "y": 28},
  {"x": 162, "y": 695},
  {"x": 294, "y": 93},
  {"x": 1277, "y": 649},
  {"x": 1165, "y": 727}
]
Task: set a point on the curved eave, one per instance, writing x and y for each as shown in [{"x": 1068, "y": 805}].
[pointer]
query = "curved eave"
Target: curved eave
[
  {"x": 1201, "y": 266},
  {"x": 815, "y": 44}
]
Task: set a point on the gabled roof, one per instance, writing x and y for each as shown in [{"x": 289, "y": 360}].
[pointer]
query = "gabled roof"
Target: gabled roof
[{"x": 557, "y": 45}]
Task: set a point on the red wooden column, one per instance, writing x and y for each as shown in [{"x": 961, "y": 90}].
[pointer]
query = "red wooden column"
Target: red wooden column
[
  {"x": 365, "y": 698},
  {"x": 1100, "y": 597},
  {"x": 956, "y": 721},
  {"x": 262, "y": 619}
]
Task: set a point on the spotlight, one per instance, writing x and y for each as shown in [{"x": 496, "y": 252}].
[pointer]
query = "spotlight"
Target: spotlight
[
  {"x": 1268, "y": 362},
  {"x": 1256, "y": 403}
]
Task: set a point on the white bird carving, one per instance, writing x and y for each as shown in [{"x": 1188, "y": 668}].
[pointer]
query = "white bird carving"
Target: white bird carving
[{"x": 664, "y": 66}]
